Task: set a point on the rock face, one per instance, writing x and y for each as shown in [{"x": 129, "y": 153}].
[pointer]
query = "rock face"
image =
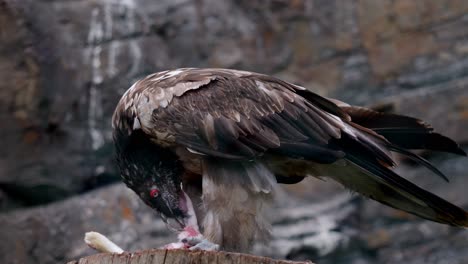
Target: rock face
[{"x": 64, "y": 64}]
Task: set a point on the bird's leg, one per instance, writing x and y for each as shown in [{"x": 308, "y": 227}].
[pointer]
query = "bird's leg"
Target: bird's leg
[
  {"x": 201, "y": 243},
  {"x": 191, "y": 229},
  {"x": 190, "y": 237}
]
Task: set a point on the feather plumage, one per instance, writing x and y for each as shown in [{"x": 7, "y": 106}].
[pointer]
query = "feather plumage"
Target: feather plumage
[
  {"x": 245, "y": 129},
  {"x": 404, "y": 131}
]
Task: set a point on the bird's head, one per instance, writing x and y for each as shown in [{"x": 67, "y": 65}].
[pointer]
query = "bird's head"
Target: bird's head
[
  {"x": 165, "y": 195},
  {"x": 154, "y": 174}
]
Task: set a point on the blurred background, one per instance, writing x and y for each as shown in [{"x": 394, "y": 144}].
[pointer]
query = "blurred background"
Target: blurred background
[{"x": 65, "y": 63}]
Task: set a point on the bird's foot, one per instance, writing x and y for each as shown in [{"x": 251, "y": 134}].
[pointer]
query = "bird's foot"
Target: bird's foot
[
  {"x": 191, "y": 238},
  {"x": 200, "y": 243},
  {"x": 194, "y": 240},
  {"x": 193, "y": 243},
  {"x": 175, "y": 245},
  {"x": 188, "y": 234}
]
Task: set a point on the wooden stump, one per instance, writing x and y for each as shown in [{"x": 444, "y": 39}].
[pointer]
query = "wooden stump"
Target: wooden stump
[{"x": 179, "y": 256}]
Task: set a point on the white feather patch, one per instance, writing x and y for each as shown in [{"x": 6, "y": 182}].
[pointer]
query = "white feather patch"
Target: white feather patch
[
  {"x": 136, "y": 124},
  {"x": 195, "y": 152}
]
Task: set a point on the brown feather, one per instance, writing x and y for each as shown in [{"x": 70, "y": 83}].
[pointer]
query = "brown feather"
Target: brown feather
[{"x": 245, "y": 126}]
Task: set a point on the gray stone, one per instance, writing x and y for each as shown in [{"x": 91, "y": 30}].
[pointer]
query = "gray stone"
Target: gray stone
[{"x": 64, "y": 65}]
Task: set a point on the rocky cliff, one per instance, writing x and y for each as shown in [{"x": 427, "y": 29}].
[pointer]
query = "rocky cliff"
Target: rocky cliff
[{"x": 65, "y": 63}]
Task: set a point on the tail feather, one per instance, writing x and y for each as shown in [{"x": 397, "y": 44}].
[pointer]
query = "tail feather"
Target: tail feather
[
  {"x": 413, "y": 199},
  {"x": 419, "y": 160},
  {"x": 366, "y": 141},
  {"x": 421, "y": 140},
  {"x": 406, "y": 132},
  {"x": 374, "y": 179},
  {"x": 385, "y": 186},
  {"x": 373, "y": 119}
]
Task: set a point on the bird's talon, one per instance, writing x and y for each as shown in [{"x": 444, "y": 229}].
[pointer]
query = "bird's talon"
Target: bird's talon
[
  {"x": 175, "y": 245},
  {"x": 203, "y": 244}
]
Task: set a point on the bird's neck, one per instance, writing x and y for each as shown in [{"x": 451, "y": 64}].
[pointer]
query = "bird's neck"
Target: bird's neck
[{"x": 139, "y": 158}]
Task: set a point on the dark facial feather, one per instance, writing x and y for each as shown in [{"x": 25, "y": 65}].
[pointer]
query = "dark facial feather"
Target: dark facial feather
[{"x": 145, "y": 166}]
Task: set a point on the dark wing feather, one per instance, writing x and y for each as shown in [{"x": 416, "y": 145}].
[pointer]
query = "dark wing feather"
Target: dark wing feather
[
  {"x": 421, "y": 140},
  {"x": 404, "y": 131},
  {"x": 371, "y": 178},
  {"x": 372, "y": 119},
  {"x": 418, "y": 159},
  {"x": 397, "y": 192},
  {"x": 324, "y": 104},
  {"x": 244, "y": 117}
]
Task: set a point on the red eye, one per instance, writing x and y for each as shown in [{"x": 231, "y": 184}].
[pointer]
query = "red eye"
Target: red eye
[{"x": 154, "y": 193}]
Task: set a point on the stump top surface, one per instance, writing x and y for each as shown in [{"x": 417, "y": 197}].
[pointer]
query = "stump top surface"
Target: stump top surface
[{"x": 161, "y": 256}]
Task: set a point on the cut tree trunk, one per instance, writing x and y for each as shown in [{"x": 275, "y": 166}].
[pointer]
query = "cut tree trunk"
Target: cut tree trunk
[{"x": 161, "y": 256}]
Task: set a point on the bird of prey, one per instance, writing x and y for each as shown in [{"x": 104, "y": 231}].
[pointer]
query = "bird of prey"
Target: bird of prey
[{"x": 206, "y": 147}]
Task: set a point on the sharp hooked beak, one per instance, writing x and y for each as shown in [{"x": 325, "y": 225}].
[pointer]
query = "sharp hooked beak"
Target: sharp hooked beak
[
  {"x": 174, "y": 223},
  {"x": 174, "y": 218}
]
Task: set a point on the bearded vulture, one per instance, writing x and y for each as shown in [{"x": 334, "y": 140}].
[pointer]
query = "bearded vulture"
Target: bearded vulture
[{"x": 206, "y": 147}]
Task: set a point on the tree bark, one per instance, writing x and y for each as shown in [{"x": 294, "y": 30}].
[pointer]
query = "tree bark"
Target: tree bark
[{"x": 161, "y": 256}]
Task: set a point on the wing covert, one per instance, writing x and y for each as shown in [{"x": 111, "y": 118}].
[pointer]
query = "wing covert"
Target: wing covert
[{"x": 243, "y": 117}]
